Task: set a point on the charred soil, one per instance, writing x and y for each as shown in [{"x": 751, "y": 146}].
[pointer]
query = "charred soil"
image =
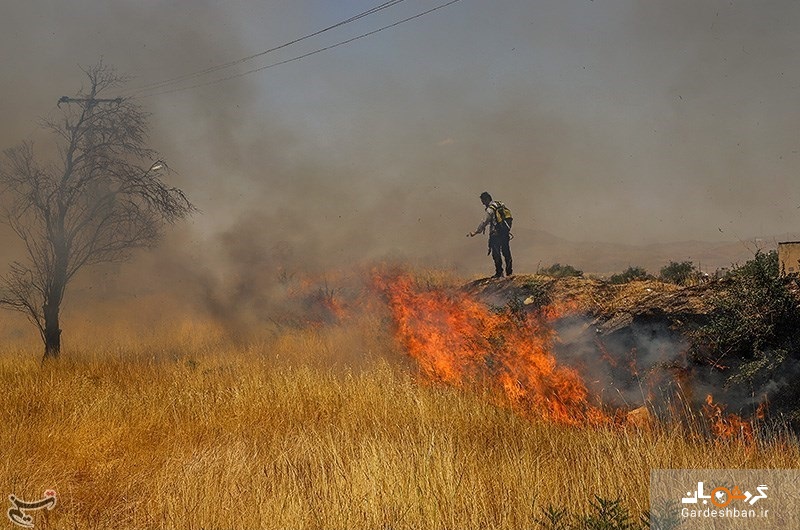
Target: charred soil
[{"x": 646, "y": 344}]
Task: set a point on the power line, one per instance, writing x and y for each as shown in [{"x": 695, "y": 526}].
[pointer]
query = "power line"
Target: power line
[
  {"x": 303, "y": 56},
  {"x": 211, "y": 69}
]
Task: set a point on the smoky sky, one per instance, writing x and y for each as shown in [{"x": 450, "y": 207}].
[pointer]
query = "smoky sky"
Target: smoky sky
[{"x": 619, "y": 121}]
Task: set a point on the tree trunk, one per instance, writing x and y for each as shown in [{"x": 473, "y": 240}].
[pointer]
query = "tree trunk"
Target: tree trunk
[
  {"x": 55, "y": 290},
  {"x": 52, "y": 306},
  {"x": 52, "y": 331}
]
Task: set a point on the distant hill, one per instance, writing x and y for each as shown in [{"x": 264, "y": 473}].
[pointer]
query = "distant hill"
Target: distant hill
[{"x": 535, "y": 249}]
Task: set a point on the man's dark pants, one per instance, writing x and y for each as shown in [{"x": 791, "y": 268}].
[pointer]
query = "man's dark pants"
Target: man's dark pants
[{"x": 499, "y": 246}]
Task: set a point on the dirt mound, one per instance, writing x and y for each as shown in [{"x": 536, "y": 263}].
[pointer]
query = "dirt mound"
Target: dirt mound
[
  {"x": 629, "y": 342},
  {"x": 611, "y": 307}
]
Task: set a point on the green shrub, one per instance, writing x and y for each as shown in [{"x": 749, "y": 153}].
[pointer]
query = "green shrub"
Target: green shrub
[
  {"x": 665, "y": 516},
  {"x": 604, "y": 515},
  {"x": 754, "y": 324},
  {"x": 679, "y": 273},
  {"x": 609, "y": 515},
  {"x": 630, "y": 274},
  {"x": 555, "y": 519},
  {"x": 561, "y": 271}
]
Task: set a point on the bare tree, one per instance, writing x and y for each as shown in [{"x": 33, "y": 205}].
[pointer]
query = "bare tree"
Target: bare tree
[{"x": 102, "y": 199}]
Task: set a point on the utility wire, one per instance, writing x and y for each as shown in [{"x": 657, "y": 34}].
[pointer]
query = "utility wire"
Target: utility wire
[
  {"x": 303, "y": 56},
  {"x": 211, "y": 69}
]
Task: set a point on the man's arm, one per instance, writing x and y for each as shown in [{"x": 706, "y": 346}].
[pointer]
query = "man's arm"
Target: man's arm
[{"x": 482, "y": 227}]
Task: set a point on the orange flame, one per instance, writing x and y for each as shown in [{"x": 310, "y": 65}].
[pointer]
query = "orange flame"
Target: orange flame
[
  {"x": 459, "y": 341},
  {"x": 726, "y": 426}
]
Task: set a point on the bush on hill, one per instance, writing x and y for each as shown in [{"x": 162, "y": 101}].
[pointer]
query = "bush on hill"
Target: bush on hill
[
  {"x": 755, "y": 327},
  {"x": 630, "y": 274},
  {"x": 561, "y": 271},
  {"x": 679, "y": 273}
]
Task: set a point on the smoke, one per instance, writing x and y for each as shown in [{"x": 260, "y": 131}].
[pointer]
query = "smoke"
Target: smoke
[
  {"x": 631, "y": 367},
  {"x": 647, "y": 362},
  {"x": 593, "y": 122}
]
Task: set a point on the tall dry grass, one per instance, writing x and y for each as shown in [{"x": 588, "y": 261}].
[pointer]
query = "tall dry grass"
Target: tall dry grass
[{"x": 317, "y": 428}]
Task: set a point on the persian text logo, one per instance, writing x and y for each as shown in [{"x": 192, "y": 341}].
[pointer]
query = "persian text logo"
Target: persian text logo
[
  {"x": 17, "y": 511},
  {"x": 721, "y": 498}
]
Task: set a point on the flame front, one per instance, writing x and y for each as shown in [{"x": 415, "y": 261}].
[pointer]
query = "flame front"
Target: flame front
[
  {"x": 459, "y": 341},
  {"x": 728, "y": 426}
]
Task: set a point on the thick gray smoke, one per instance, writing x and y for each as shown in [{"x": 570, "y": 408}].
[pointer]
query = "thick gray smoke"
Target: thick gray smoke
[
  {"x": 593, "y": 121},
  {"x": 626, "y": 368},
  {"x": 648, "y": 362}
]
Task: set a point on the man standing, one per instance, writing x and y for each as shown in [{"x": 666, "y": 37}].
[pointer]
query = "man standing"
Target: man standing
[{"x": 498, "y": 219}]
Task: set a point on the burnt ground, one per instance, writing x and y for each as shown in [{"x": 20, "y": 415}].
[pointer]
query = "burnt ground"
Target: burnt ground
[
  {"x": 612, "y": 308},
  {"x": 630, "y": 342}
]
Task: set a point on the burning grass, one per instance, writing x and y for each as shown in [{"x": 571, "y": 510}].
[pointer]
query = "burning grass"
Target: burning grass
[
  {"x": 459, "y": 341},
  {"x": 467, "y": 421},
  {"x": 198, "y": 433}
]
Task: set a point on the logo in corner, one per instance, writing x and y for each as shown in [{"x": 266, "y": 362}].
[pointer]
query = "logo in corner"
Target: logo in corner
[
  {"x": 17, "y": 513},
  {"x": 722, "y": 497},
  {"x": 726, "y": 502}
]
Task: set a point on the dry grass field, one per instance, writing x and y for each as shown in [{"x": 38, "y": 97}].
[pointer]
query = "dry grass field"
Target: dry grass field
[{"x": 324, "y": 427}]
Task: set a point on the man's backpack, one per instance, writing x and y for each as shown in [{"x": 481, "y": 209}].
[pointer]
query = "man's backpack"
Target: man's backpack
[{"x": 502, "y": 215}]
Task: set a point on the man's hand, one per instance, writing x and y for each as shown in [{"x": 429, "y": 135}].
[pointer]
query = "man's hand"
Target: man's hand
[{"x": 471, "y": 234}]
